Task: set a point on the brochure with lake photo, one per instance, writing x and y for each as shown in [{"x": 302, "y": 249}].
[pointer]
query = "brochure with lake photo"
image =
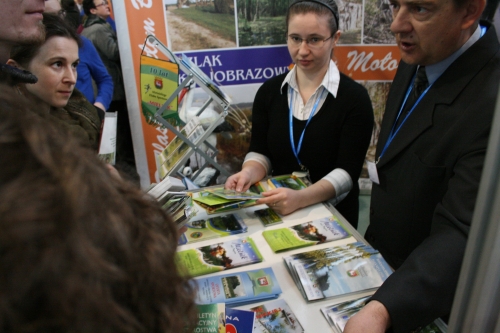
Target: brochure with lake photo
[
  {"x": 214, "y": 227},
  {"x": 218, "y": 257},
  {"x": 338, "y": 271},
  {"x": 238, "y": 288}
]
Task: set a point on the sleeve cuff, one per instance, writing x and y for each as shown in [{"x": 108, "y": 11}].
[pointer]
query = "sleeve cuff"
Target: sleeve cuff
[
  {"x": 342, "y": 182},
  {"x": 259, "y": 158}
]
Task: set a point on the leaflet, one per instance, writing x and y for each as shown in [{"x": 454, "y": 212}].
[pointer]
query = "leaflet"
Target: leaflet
[
  {"x": 319, "y": 231},
  {"x": 238, "y": 288},
  {"x": 214, "y": 227}
]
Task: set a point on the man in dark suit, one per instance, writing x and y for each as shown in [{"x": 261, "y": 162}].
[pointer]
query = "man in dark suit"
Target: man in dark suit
[{"x": 429, "y": 158}]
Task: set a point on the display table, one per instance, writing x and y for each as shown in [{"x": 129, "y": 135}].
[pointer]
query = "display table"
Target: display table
[{"x": 309, "y": 314}]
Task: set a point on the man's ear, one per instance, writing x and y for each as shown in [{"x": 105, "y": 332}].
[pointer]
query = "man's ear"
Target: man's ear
[
  {"x": 473, "y": 11},
  {"x": 13, "y": 63},
  {"x": 93, "y": 11}
]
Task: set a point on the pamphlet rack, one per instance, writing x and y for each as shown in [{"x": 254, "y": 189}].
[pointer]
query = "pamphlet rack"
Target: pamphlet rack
[{"x": 193, "y": 73}]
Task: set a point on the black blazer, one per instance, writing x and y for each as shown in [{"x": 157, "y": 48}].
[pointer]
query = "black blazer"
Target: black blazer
[{"x": 429, "y": 178}]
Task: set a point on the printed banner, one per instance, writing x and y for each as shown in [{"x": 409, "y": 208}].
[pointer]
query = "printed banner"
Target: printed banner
[{"x": 159, "y": 79}]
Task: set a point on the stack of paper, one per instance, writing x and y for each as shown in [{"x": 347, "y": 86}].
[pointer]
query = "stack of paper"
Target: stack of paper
[
  {"x": 179, "y": 206},
  {"x": 337, "y": 271},
  {"x": 168, "y": 184},
  {"x": 338, "y": 314},
  {"x": 222, "y": 200}
]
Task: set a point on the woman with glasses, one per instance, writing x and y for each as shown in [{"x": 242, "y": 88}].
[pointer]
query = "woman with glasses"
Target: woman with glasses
[
  {"x": 313, "y": 120},
  {"x": 54, "y": 64}
]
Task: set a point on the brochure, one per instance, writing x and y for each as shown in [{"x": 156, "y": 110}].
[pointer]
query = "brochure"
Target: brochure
[
  {"x": 268, "y": 217},
  {"x": 218, "y": 226},
  {"x": 319, "y": 231},
  {"x": 338, "y": 271},
  {"x": 239, "y": 321},
  {"x": 215, "y": 204},
  {"x": 218, "y": 257},
  {"x": 232, "y": 194},
  {"x": 337, "y": 316},
  {"x": 276, "y": 316},
  {"x": 238, "y": 288},
  {"x": 211, "y": 318},
  {"x": 289, "y": 181}
]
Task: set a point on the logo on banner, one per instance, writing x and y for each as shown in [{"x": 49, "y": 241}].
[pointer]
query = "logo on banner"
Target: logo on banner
[{"x": 158, "y": 83}]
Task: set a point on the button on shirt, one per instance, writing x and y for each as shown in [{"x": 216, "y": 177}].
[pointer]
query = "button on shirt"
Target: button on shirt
[{"x": 339, "y": 178}]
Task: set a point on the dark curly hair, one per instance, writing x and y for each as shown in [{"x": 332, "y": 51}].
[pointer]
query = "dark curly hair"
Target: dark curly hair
[{"x": 80, "y": 251}]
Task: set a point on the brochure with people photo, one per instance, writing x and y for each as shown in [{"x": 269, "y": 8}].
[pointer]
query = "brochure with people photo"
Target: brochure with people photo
[{"x": 319, "y": 231}]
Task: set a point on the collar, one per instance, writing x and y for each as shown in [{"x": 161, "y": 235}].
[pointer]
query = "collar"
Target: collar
[
  {"x": 16, "y": 75},
  {"x": 330, "y": 81},
  {"x": 434, "y": 71}
]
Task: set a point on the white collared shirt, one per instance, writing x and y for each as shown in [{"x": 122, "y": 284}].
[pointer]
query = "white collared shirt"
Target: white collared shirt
[{"x": 339, "y": 178}]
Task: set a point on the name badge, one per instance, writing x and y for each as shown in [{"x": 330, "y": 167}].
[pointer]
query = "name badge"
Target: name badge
[{"x": 372, "y": 172}]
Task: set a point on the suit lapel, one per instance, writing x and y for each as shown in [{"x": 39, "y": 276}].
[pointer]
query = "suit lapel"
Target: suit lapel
[{"x": 444, "y": 91}]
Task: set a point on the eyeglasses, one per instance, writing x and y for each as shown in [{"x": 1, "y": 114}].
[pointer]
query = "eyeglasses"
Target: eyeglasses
[
  {"x": 104, "y": 3},
  {"x": 312, "y": 42}
]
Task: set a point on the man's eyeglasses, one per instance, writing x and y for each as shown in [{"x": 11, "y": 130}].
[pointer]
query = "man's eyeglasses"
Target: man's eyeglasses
[
  {"x": 312, "y": 42},
  {"x": 104, "y": 3}
]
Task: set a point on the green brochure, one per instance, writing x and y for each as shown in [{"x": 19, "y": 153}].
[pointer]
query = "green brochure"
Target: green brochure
[
  {"x": 218, "y": 257},
  {"x": 315, "y": 232}
]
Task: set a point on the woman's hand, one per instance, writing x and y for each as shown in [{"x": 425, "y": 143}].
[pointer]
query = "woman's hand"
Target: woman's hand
[
  {"x": 251, "y": 173},
  {"x": 283, "y": 200}
]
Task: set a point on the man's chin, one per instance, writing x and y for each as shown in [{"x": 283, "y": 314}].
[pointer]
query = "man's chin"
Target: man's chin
[{"x": 37, "y": 36}]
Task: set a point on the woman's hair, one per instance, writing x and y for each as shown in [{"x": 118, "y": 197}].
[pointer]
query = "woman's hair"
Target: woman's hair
[
  {"x": 318, "y": 7},
  {"x": 80, "y": 251},
  {"x": 55, "y": 26}
]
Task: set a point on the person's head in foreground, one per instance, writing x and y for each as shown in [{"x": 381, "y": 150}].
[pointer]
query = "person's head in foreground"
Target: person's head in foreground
[{"x": 80, "y": 251}]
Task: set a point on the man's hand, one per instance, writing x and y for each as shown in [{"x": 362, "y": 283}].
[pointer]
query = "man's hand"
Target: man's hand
[{"x": 373, "y": 318}]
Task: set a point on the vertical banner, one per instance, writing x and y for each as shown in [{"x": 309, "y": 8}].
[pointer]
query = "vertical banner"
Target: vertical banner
[{"x": 135, "y": 20}]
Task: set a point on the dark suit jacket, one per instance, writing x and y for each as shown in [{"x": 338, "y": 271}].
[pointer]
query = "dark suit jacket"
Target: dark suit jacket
[{"x": 429, "y": 178}]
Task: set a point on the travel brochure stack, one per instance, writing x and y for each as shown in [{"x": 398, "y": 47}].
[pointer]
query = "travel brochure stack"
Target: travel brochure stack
[
  {"x": 218, "y": 257},
  {"x": 238, "y": 288},
  {"x": 338, "y": 314},
  {"x": 177, "y": 204},
  {"x": 336, "y": 271},
  {"x": 311, "y": 233},
  {"x": 222, "y": 200},
  {"x": 214, "y": 227},
  {"x": 177, "y": 148},
  {"x": 270, "y": 317}
]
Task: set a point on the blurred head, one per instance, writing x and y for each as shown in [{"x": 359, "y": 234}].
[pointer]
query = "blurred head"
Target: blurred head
[
  {"x": 312, "y": 33},
  {"x": 97, "y": 7},
  {"x": 430, "y": 31},
  {"x": 53, "y": 62},
  {"x": 53, "y": 6},
  {"x": 20, "y": 23},
  {"x": 80, "y": 251}
]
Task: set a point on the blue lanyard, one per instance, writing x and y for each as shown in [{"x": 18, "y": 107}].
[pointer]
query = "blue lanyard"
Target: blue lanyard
[
  {"x": 395, "y": 130},
  {"x": 296, "y": 151}
]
